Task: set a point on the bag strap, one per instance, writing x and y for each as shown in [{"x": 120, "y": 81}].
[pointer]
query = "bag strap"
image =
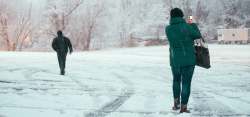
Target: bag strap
[
  {"x": 202, "y": 39},
  {"x": 195, "y": 41}
]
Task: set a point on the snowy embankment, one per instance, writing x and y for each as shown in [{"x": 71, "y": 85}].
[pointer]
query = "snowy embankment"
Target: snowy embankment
[{"x": 120, "y": 83}]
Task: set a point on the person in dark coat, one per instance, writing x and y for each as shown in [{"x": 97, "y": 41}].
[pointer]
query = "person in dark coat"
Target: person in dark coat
[
  {"x": 61, "y": 44},
  {"x": 181, "y": 35}
]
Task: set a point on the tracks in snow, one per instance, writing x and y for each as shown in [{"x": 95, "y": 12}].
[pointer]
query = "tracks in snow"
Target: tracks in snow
[
  {"x": 212, "y": 103},
  {"x": 128, "y": 91}
]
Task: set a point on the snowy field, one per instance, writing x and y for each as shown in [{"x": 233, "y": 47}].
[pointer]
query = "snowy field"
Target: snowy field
[{"x": 134, "y": 82}]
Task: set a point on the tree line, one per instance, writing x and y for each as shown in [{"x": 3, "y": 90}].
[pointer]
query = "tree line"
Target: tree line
[{"x": 97, "y": 24}]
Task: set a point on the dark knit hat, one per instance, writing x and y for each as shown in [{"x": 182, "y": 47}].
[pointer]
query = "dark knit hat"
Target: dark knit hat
[
  {"x": 59, "y": 32},
  {"x": 176, "y": 12}
]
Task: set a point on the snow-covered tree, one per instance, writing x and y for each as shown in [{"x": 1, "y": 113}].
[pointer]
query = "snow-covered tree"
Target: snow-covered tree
[
  {"x": 58, "y": 14},
  {"x": 96, "y": 24},
  {"x": 16, "y": 23},
  {"x": 92, "y": 21}
]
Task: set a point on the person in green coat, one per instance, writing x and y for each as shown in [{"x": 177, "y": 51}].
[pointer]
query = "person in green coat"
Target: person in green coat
[{"x": 181, "y": 35}]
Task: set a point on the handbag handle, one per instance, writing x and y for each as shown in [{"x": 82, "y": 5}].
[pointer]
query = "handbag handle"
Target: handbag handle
[
  {"x": 202, "y": 39},
  {"x": 195, "y": 42}
]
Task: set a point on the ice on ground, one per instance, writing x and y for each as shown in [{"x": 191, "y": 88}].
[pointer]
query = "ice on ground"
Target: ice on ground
[{"x": 135, "y": 82}]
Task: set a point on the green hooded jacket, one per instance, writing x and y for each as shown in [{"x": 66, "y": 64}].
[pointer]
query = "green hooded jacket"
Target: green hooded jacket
[{"x": 181, "y": 35}]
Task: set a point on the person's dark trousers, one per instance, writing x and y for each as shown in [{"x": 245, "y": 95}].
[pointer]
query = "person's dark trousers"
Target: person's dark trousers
[
  {"x": 62, "y": 60},
  {"x": 182, "y": 74}
]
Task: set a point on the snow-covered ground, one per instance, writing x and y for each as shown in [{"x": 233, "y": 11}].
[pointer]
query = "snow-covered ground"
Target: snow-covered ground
[{"x": 134, "y": 82}]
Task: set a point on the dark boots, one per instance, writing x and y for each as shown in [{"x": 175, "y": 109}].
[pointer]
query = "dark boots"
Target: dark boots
[
  {"x": 62, "y": 72},
  {"x": 184, "y": 108},
  {"x": 176, "y": 104}
]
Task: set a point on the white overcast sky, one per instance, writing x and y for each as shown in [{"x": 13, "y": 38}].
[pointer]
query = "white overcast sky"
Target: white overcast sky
[{"x": 37, "y": 3}]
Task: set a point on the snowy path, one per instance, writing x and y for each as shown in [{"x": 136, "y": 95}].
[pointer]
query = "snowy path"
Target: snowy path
[{"x": 120, "y": 83}]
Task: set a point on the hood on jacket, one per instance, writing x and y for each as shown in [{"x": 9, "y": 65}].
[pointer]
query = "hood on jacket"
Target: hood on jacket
[{"x": 177, "y": 20}]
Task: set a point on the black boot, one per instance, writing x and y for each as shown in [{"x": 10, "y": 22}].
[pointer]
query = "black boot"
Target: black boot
[
  {"x": 176, "y": 104},
  {"x": 62, "y": 72},
  {"x": 184, "y": 108}
]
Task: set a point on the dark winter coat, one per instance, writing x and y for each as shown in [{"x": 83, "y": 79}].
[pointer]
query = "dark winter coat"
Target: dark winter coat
[
  {"x": 61, "y": 44},
  {"x": 181, "y": 36}
]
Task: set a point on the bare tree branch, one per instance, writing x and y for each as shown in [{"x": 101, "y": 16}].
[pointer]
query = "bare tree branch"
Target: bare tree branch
[
  {"x": 91, "y": 22},
  {"x": 78, "y": 4},
  {"x": 52, "y": 33},
  {"x": 224, "y": 4},
  {"x": 25, "y": 23}
]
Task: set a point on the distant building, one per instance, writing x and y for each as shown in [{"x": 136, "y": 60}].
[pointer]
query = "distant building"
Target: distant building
[{"x": 232, "y": 36}]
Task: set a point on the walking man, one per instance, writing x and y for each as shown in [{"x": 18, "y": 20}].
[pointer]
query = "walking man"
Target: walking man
[
  {"x": 181, "y": 35},
  {"x": 61, "y": 44}
]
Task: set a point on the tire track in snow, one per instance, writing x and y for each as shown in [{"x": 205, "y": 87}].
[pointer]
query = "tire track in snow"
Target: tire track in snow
[
  {"x": 78, "y": 82},
  {"x": 83, "y": 87},
  {"x": 227, "y": 100},
  {"x": 15, "y": 84},
  {"x": 216, "y": 97},
  {"x": 128, "y": 91},
  {"x": 29, "y": 74},
  {"x": 207, "y": 104},
  {"x": 32, "y": 83}
]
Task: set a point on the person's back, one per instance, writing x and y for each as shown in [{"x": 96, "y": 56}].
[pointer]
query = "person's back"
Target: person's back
[
  {"x": 181, "y": 35},
  {"x": 61, "y": 44}
]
